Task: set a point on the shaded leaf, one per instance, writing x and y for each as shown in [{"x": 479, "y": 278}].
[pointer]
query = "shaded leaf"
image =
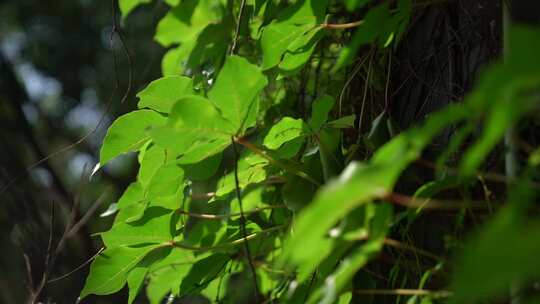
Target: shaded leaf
[{"x": 319, "y": 111}]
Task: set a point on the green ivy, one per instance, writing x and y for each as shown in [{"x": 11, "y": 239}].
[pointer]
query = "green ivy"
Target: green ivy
[{"x": 181, "y": 229}]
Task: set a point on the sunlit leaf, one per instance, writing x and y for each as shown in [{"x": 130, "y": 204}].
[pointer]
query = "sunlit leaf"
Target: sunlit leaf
[
  {"x": 184, "y": 22},
  {"x": 152, "y": 228},
  {"x": 135, "y": 280},
  {"x": 128, "y": 133},
  {"x": 161, "y": 94},
  {"x": 235, "y": 91},
  {"x": 108, "y": 272},
  {"x": 126, "y": 6},
  {"x": 166, "y": 187},
  {"x": 299, "y": 51},
  {"x": 195, "y": 130},
  {"x": 284, "y": 131}
]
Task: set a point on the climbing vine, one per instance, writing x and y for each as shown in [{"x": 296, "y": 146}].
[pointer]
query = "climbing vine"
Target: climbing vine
[{"x": 259, "y": 184}]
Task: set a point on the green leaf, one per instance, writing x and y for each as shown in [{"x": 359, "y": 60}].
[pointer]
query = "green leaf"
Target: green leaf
[
  {"x": 506, "y": 251},
  {"x": 135, "y": 280},
  {"x": 234, "y": 93},
  {"x": 319, "y": 111},
  {"x": 108, "y": 273},
  {"x": 152, "y": 159},
  {"x": 250, "y": 170},
  {"x": 300, "y": 50},
  {"x": 291, "y": 24},
  {"x": 166, "y": 275},
  {"x": 330, "y": 152},
  {"x": 352, "y": 5},
  {"x": 184, "y": 22},
  {"x": 204, "y": 169},
  {"x": 344, "y": 122},
  {"x": 152, "y": 228},
  {"x": 172, "y": 2},
  {"x": 375, "y": 26},
  {"x": 359, "y": 258},
  {"x": 360, "y": 184},
  {"x": 174, "y": 61},
  {"x": 285, "y": 130},
  {"x": 161, "y": 94},
  {"x": 202, "y": 273},
  {"x": 132, "y": 195},
  {"x": 297, "y": 192},
  {"x": 128, "y": 133},
  {"x": 195, "y": 130},
  {"x": 357, "y": 185},
  {"x": 126, "y": 6},
  {"x": 276, "y": 39},
  {"x": 166, "y": 187},
  {"x": 379, "y": 133}
]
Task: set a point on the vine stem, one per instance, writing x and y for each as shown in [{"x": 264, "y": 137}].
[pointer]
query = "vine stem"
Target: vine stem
[
  {"x": 237, "y": 30},
  {"x": 225, "y": 216},
  {"x": 259, "y": 151},
  {"x": 342, "y": 26},
  {"x": 243, "y": 220},
  {"x": 430, "y": 203},
  {"x": 399, "y": 245},
  {"x": 405, "y": 292}
]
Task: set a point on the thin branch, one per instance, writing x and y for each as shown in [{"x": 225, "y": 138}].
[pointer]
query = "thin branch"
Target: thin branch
[
  {"x": 348, "y": 82},
  {"x": 78, "y": 267},
  {"x": 28, "y": 272},
  {"x": 225, "y": 216},
  {"x": 87, "y": 215},
  {"x": 405, "y": 292},
  {"x": 237, "y": 30},
  {"x": 399, "y": 245},
  {"x": 341, "y": 26},
  {"x": 243, "y": 220},
  {"x": 429, "y": 203},
  {"x": 490, "y": 176},
  {"x": 49, "y": 256}
]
